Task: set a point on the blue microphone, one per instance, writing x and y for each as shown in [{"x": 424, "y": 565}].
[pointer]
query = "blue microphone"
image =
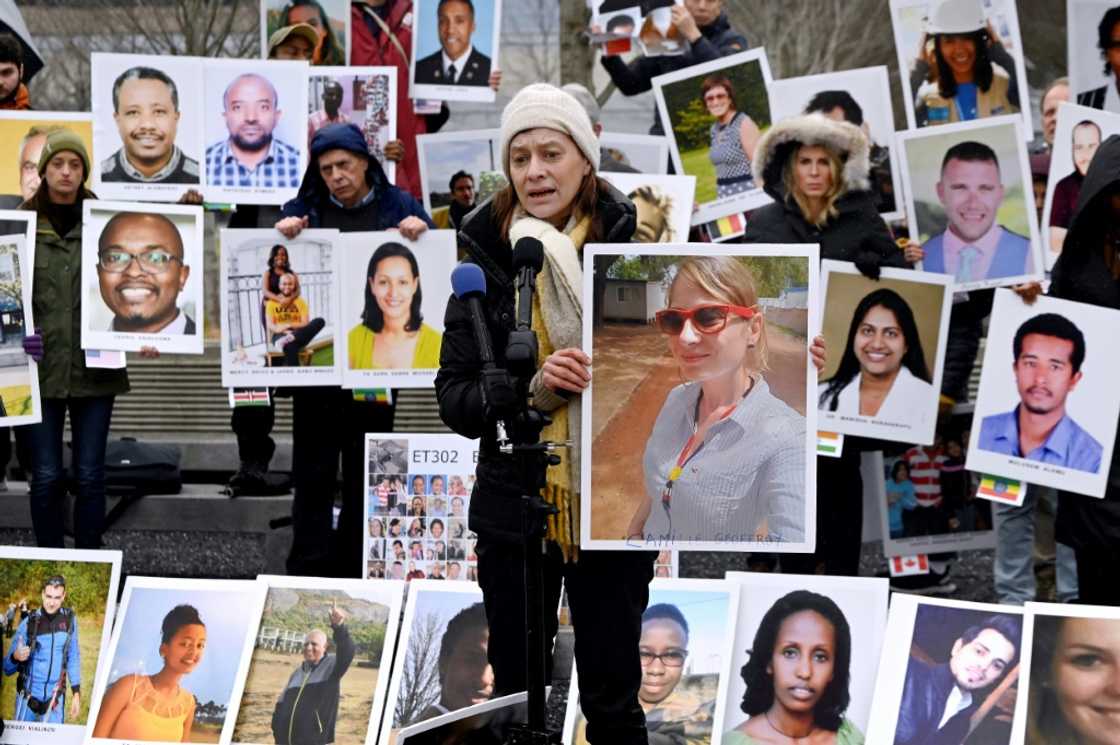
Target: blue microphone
[{"x": 469, "y": 284}]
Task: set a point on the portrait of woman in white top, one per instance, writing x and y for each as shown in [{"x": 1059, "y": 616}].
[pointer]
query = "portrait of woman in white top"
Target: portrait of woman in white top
[
  {"x": 725, "y": 460},
  {"x": 883, "y": 371}
]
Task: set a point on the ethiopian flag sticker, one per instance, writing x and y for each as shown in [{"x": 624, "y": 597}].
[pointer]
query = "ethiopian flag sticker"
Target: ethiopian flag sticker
[{"x": 1003, "y": 490}]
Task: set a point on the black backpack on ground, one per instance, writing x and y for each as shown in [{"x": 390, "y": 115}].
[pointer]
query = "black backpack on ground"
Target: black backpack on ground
[{"x": 134, "y": 468}]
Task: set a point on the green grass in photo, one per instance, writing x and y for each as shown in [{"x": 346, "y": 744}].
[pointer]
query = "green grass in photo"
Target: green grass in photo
[{"x": 697, "y": 163}]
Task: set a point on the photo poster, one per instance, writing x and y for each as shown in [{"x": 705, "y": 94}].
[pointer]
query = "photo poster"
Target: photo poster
[
  {"x": 22, "y": 136},
  {"x": 976, "y": 198},
  {"x": 417, "y": 687},
  {"x": 925, "y": 499},
  {"x": 480, "y": 724},
  {"x": 379, "y": 288},
  {"x": 208, "y": 661},
  {"x": 687, "y": 694},
  {"x": 1079, "y": 133},
  {"x": 897, "y": 324},
  {"x": 475, "y": 152},
  {"x": 922, "y": 637},
  {"x": 87, "y": 602},
  {"x": 417, "y": 499},
  {"x": 361, "y": 645},
  {"x": 860, "y": 601},
  {"x": 369, "y": 101},
  {"x": 1075, "y": 452},
  {"x": 465, "y": 34},
  {"x": 646, "y": 153},
  {"x": 696, "y": 139},
  {"x": 262, "y": 105},
  {"x": 19, "y": 373},
  {"x": 147, "y": 126},
  {"x": 630, "y": 21},
  {"x": 334, "y": 29},
  {"x": 1069, "y": 653},
  {"x": 256, "y": 348},
  {"x": 861, "y": 97},
  {"x": 664, "y": 204},
  {"x": 631, "y": 448},
  {"x": 1089, "y": 74},
  {"x": 129, "y": 306},
  {"x": 910, "y": 20}
]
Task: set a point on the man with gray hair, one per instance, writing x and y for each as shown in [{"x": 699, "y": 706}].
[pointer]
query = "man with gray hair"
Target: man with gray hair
[
  {"x": 307, "y": 709},
  {"x": 251, "y": 156},
  {"x": 608, "y": 159}
]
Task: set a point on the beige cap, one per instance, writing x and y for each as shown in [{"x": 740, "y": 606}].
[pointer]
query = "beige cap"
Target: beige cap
[{"x": 280, "y": 35}]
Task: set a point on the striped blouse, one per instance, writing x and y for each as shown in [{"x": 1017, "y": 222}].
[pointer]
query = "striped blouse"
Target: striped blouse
[{"x": 745, "y": 483}]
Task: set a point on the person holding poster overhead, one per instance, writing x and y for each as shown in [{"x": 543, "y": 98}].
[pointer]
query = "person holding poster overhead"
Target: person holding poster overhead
[
  {"x": 1088, "y": 271},
  {"x": 816, "y": 170},
  {"x": 64, "y": 380},
  {"x": 343, "y": 188},
  {"x": 968, "y": 74},
  {"x": 550, "y": 155}
]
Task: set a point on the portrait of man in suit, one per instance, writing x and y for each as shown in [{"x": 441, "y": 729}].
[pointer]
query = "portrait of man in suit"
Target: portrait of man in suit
[
  {"x": 974, "y": 246},
  {"x": 457, "y": 62}
]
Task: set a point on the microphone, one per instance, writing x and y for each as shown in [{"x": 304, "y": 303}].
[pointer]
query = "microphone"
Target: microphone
[
  {"x": 498, "y": 395},
  {"x": 528, "y": 260},
  {"x": 469, "y": 284}
]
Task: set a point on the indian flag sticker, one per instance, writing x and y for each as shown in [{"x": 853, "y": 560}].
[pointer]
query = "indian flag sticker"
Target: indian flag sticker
[
  {"x": 830, "y": 444},
  {"x": 1001, "y": 489}
]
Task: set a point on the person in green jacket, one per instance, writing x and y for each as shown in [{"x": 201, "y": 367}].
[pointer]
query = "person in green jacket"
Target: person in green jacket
[{"x": 65, "y": 382}]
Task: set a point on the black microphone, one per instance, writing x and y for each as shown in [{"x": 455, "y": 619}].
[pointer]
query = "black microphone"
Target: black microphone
[
  {"x": 469, "y": 284},
  {"x": 528, "y": 260},
  {"x": 498, "y": 395}
]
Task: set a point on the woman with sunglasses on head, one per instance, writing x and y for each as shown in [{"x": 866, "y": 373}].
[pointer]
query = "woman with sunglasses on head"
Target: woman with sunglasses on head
[
  {"x": 550, "y": 154},
  {"x": 816, "y": 171},
  {"x": 882, "y": 370},
  {"x": 733, "y": 135},
  {"x": 743, "y": 448}
]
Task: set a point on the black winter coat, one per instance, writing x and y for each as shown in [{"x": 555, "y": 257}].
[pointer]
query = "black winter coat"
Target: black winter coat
[
  {"x": 494, "y": 509},
  {"x": 1085, "y": 523},
  {"x": 857, "y": 234}
]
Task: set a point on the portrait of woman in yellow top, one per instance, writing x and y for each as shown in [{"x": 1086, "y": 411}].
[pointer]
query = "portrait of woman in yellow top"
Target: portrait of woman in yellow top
[
  {"x": 392, "y": 334},
  {"x": 156, "y": 708}
]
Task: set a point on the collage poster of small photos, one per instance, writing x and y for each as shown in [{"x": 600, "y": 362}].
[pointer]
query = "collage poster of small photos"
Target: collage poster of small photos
[{"x": 418, "y": 489}]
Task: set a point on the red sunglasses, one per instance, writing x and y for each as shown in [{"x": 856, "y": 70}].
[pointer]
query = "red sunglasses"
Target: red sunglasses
[{"x": 707, "y": 319}]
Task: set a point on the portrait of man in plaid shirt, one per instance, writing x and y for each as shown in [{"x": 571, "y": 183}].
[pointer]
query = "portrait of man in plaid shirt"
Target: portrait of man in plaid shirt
[{"x": 251, "y": 156}]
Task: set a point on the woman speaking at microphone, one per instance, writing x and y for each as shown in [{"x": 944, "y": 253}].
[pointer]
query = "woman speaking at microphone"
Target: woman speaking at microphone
[{"x": 550, "y": 155}]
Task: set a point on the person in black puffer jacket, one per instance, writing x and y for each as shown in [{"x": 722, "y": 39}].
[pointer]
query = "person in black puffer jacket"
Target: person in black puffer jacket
[
  {"x": 816, "y": 171},
  {"x": 1088, "y": 271},
  {"x": 550, "y": 155}
]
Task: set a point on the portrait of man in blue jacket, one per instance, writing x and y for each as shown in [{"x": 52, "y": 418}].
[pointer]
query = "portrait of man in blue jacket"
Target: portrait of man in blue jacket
[
  {"x": 44, "y": 655},
  {"x": 974, "y": 246},
  {"x": 939, "y": 699}
]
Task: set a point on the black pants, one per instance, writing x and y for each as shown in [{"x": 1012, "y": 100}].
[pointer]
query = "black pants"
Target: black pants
[
  {"x": 253, "y": 427},
  {"x": 607, "y": 594},
  {"x": 1096, "y": 578},
  {"x": 302, "y": 338},
  {"x": 328, "y": 423},
  {"x": 839, "y": 520}
]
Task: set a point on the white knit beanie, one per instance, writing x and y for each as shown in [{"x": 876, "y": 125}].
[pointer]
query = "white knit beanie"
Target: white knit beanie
[{"x": 544, "y": 105}]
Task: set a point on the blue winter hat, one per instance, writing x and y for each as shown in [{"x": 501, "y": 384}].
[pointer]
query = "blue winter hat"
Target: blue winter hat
[{"x": 339, "y": 137}]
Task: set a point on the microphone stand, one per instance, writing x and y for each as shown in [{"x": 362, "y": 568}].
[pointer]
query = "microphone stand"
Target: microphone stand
[{"x": 521, "y": 438}]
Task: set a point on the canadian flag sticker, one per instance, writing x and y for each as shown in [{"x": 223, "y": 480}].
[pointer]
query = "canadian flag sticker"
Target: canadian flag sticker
[{"x": 904, "y": 566}]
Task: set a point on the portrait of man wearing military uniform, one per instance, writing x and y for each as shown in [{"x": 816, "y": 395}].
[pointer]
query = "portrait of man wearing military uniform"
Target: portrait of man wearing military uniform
[{"x": 457, "y": 62}]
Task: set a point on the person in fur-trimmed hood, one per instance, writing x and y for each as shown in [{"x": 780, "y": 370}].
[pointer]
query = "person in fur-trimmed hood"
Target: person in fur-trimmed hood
[{"x": 816, "y": 171}]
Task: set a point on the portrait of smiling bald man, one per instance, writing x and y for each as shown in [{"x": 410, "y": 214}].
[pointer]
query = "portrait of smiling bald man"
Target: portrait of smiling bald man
[{"x": 141, "y": 271}]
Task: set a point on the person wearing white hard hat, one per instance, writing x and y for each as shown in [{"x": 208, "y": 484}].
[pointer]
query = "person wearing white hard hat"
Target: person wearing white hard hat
[{"x": 963, "y": 71}]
